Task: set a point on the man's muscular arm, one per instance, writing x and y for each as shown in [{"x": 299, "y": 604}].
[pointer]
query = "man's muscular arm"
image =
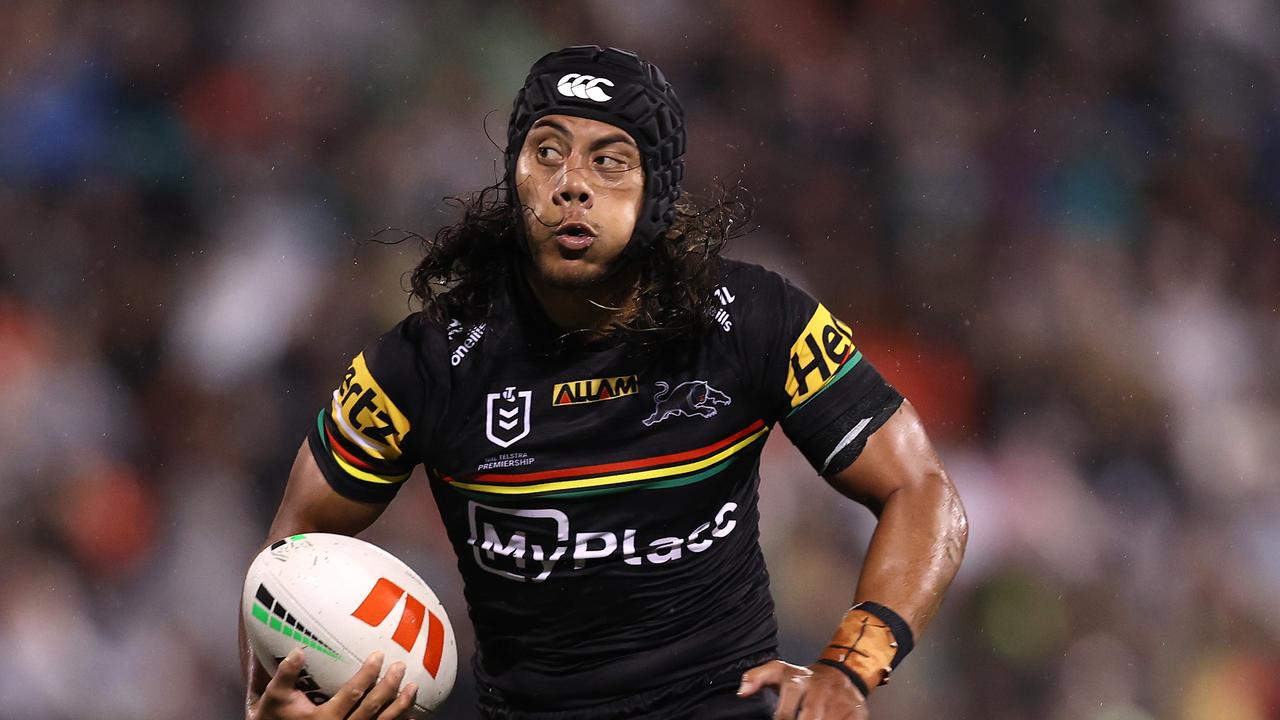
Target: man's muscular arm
[
  {"x": 310, "y": 505},
  {"x": 914, "y": 553},
  {"x": 922, "y": 529}
]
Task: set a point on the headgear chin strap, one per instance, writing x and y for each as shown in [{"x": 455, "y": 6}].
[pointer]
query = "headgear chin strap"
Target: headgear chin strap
[{"x": 619, "y": 88}]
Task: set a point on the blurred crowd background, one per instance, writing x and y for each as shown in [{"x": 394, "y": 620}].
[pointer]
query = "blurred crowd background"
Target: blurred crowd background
[{"x": 1053, "y": 225}]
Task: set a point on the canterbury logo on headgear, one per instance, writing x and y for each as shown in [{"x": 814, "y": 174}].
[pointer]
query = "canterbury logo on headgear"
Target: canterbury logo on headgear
[{"x": 586, "y": 87}]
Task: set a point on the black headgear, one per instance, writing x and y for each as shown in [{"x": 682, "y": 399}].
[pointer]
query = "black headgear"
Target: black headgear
[{"x": 619, "y": 88}]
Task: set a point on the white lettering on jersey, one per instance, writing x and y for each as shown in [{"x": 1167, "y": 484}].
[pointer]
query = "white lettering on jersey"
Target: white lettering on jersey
[{"x": 527, "y": 545}]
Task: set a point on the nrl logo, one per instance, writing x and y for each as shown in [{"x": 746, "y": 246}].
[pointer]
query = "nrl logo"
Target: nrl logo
[{"x": 507, "y": 416}]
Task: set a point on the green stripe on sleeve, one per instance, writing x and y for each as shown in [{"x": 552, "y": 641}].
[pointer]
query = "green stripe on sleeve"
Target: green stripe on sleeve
[{"x": 849, "y": 364}]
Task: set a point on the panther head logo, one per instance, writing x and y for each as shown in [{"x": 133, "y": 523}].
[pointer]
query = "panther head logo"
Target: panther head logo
[{"x": 690, "y": 398}]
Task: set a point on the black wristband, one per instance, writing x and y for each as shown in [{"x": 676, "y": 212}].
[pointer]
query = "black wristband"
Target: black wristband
[
  {"x": 899, "y": 627},
  {"x": 858, "y": 682}
]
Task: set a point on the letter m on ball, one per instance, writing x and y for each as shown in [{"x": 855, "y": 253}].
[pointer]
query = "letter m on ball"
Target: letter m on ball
[{"x": 379, "y": 603}]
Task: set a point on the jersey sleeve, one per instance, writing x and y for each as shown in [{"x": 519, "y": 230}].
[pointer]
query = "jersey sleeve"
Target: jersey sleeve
[
  {"x": 810, "y": 375},
  {"x": 376, "y": 426}
]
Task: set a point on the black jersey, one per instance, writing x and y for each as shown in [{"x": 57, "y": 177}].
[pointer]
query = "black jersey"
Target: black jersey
[{"x": 602, "y": 504}]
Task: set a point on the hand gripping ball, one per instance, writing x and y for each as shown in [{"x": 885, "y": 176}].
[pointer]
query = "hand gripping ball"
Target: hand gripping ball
[{"x": 341, "y": 599}]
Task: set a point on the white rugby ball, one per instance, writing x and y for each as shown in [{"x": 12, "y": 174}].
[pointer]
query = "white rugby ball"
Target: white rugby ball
[{"x": 341, "y": 599}]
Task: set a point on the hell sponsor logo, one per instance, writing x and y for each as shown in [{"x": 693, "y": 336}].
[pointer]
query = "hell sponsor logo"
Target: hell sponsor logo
[
  {"x": 580, "y": 392},
  {"x": 817, "y": 354},
  {"x": 529, "y": 545}
]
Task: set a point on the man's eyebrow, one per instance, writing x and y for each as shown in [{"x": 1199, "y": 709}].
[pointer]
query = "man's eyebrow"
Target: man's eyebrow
[
  {"x": 618, "y": 137},
  {"x": 611, "y": 139},
  {"x": 544, "y": 122}
]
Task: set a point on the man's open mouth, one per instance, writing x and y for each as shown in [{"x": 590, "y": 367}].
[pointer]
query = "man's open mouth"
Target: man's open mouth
[{"x": 575, "y": 236}]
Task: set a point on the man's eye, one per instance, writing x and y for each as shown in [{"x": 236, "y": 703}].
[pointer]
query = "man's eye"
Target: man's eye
[
  {"x": 546, "y": 152},
  {"x": 608, "y": 162}
]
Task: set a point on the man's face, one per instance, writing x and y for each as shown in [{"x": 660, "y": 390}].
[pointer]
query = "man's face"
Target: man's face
[{"x": 582, "y": 185}]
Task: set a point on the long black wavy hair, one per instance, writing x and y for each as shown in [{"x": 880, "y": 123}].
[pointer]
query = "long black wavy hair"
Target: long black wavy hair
[{"x": 465, "y": 262}]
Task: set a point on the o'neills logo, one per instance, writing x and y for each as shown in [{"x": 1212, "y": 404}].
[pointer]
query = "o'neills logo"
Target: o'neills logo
[
  {"x": 594, "y": 390},
  {"x": 464, "y": 347}
]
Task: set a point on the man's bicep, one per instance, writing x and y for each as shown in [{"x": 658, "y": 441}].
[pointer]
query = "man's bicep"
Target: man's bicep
[
  {"x": 898, "y": 455},
  {"x": 310, "y": 504}
]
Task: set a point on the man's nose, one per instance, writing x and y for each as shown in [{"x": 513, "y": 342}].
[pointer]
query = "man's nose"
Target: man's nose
[{"x": 573, "y": 187}]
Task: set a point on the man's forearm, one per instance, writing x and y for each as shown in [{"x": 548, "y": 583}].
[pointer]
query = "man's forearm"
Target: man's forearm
[
  {"x": 915, "y": 550},
  {"x": 914, "y": 553}
]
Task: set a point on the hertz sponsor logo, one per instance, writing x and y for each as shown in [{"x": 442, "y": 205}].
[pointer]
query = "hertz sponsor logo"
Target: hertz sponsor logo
[
  {"x": 817, "y": 354},
  {"x": 578, "y": 392},
  {"x": 365, "y": 415}
]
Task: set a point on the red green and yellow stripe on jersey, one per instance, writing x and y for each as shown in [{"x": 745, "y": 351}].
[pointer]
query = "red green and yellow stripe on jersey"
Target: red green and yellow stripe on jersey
[
  {"x": 363, "y": 429},
  {"x": 349, "y": 460},
  {"x": 365, "y": 416},
  {"x": 663, "y": 471}
]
